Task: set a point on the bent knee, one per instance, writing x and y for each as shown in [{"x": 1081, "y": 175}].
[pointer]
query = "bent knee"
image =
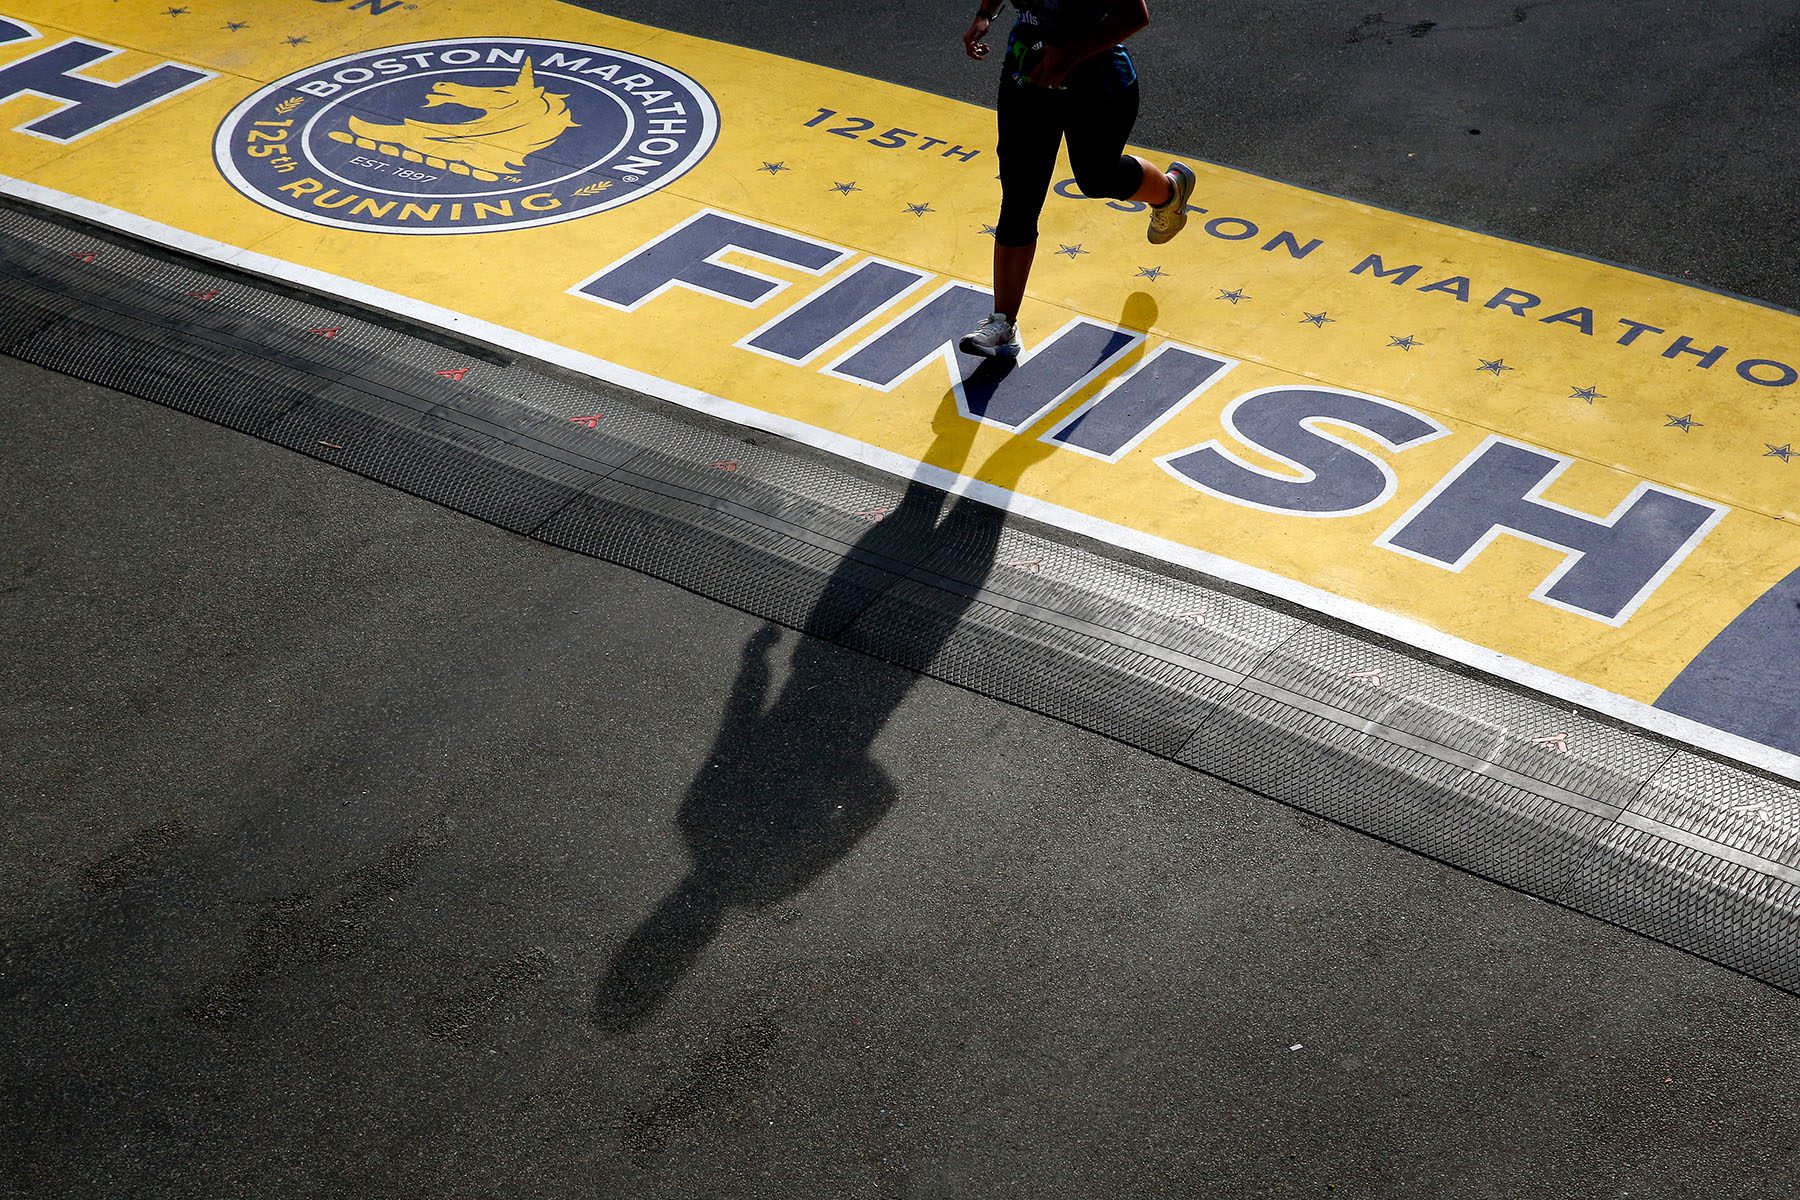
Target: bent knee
[{"x": 1115, "y": 179}]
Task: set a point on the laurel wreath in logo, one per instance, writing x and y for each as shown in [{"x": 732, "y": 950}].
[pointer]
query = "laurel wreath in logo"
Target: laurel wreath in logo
[
  {"x": 593, "y": 188},
  {"x": 290, "y": 104}
]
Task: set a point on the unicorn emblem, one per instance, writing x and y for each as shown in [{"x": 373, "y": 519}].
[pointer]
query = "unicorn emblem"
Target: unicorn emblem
[{"x": 516, "y": 121}]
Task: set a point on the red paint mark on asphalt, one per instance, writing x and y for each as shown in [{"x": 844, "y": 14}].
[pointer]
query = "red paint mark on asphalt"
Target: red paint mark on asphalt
[
  {"x": 1370, "y": 676},
  {"x": 325, "y": 332},
  {"x": 1558, "y": 742},
  {"x": 728, "y": 467},
  {"x": 455, "y": 373},
  {"x": 86, "y": 256},
  {"x": 592, "y": 420},
  {"x": 206, "y": 295}
]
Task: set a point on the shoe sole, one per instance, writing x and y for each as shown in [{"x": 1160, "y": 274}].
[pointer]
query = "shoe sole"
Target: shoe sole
[{"x": 1184, "y": 188}]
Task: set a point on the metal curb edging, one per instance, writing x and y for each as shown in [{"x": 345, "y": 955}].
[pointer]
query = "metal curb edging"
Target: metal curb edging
[{"x": 1623, "y": 825}]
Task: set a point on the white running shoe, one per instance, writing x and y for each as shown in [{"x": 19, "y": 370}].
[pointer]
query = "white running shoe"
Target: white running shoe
[
  {"x": 995, "y": 337},
  {"x": 1166, "y": 220}
]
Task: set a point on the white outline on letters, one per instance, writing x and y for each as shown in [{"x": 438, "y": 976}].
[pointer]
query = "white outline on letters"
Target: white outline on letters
[
  {"x": 63, "y": 103},
  {"x": 947, "y": 354},
  {"x": 1571, "y": 557},
  {"x": 1225, "y": 368},
  {"x": 919, "y": 279},
  {"x": 1305, "y": 474},
  {"x": 713, "y": 259}
]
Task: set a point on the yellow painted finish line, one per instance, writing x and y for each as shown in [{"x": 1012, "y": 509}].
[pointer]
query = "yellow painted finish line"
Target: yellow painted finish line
[{"x": 1581, "y": 468}]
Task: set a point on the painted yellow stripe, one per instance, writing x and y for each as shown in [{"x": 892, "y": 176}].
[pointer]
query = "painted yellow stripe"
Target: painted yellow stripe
[{"x": 1231, "y": 285}]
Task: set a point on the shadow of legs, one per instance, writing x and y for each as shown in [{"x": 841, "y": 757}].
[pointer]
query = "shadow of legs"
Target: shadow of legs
[
  {"x": 655, "y": 957},
  {"x": 788, "y": 789}
]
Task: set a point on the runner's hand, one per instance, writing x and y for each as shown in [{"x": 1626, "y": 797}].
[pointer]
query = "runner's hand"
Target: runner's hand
[
  {"x": 1053, "y": 68},
  {"x": 973, "y": 46}
]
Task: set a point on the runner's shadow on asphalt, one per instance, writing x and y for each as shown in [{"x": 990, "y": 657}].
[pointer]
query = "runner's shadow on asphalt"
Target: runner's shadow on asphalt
[{"x": 790, "y": 787}]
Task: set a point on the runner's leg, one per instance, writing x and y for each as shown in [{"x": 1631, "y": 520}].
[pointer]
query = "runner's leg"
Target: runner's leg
[
  {"x": 1030, "y": 130},
  {"x": 1097, "y": 132},
  {"x": 1155, "y": 186},
  {"x": 1098, "y": 126},
  {"x": 1012, "y": 269}
]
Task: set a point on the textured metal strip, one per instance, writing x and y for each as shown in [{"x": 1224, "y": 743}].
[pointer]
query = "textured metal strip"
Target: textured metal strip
[
  {"x": 1727, "y": 806},
  {"x": 193, "y": 377},
  {"x": 1193, "y": 622},
  {"x": 717, "y": 554},
  {"x": 1676, "y": 835},
  {"x": 1526, "y": 735},
  {"x": 1713, "y": 907},
  {"x": 1313, "y": 761},
  {"x": 1086, "y": 680},
  {"x": 25, "y": 310},
  {"x": 439, "y": 460},
  {"x": 1697, "y": 853},
  {"x": 1447, "y": 754}
]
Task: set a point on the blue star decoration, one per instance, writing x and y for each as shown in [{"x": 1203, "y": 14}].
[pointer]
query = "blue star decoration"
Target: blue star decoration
[
  {"x": 1684, "y": 423},
  {"x": 1587, "y": 393},
  {"x": 1493, "y": 366},
  {"x": 919, "y": 210},
  {"x": 1784, "y": 453},
  {"x": 774, "y": 168},
  {"x": 1405, "y": 343},
  {"x": 844, "y": 189},
  {"x": 1317, "y": 320},
  {"x": 1234, "y": 295},
  {"x": 1070, "y": 251},
  {"x": 992, "y": 231},
  {"x": 1151, "y": 273}
]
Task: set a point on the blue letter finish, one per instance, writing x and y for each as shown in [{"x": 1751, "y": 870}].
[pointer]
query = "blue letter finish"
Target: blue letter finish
[
  {"x": 994, "y": 391},
  {"x": 1149, "y": 394},
  {"x": 827, "y": 316},
  {"x": 87, "y": 104},
  {"x": 1331, "y": 478},
  {"x": 683, "y": 258},
  {"x": 1610, "y": 564}
]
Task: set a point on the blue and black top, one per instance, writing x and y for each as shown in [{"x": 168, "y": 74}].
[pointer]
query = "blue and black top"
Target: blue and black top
[{"x": 1056, "y": 23}]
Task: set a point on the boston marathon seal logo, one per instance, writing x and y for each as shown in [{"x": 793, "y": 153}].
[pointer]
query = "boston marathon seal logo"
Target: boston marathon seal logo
[{"x": 466, "y": 136}]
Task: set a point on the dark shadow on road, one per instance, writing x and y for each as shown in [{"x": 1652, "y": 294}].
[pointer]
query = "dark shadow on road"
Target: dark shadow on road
[{"x": 790, "y": 787}]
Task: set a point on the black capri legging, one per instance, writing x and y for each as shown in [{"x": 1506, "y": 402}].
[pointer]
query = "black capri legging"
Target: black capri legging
[{"x": 1033, "y": 123}]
